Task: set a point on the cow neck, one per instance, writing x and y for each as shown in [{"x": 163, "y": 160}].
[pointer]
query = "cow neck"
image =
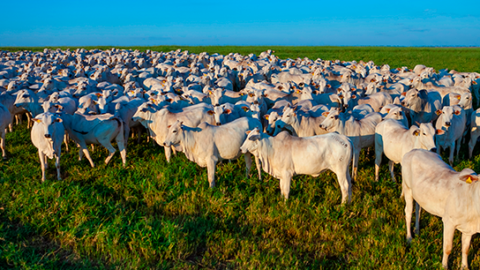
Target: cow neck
[
  {"x": 188, "y": 142},
  {"x": 265, "y": 152}
]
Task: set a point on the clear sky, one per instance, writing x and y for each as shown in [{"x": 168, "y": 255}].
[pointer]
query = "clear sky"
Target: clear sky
[{"x": 244, "y": 22}]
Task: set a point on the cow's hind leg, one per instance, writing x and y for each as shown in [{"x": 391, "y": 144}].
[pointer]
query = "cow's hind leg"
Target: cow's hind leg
[
  {"x": 122, "y": 145},
  {"x": 391, "y": 166},
  {"x": 466, "y": 238},
  {"x": 248, "y": 163},
  {"x": 42, "y": 163},
  {"x": 345, "y": 184},
  {"x": 106, "y": 143},
  {"x": 448, "y": 232},
  {"x": 418, "y": 211},
  {"x": 211, "y": 166},
  {"x": 2, "y": 143},
  {"x": 57, "y": 165}
]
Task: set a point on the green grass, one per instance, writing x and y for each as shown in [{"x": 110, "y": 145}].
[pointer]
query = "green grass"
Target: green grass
[
  {"x": 154, "y": 215},
  {"x": 460, "y": 59}
]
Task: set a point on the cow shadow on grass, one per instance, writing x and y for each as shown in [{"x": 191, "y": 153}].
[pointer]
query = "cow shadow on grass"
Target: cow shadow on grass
[{"x": 23, "y": 246}]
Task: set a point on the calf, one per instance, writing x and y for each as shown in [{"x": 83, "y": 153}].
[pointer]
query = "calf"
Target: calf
[
  {"x": 450, "y": 126},
  {"x": 394, "y": 139},
  {"x": 361, "y": 132},
  {"x": 208, "y": 144},
  {"x": 96, "y": 129},
  {"x": 47, "y": 135},
  {"x": 284, "y": 156},
  {"x": 441, "y": 191}
]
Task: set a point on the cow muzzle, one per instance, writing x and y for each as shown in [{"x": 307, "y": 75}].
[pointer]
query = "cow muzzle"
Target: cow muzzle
[
  {"x": 447, "y": 124},
  {"x": 48, "y": 136},
  {"x": 434, "y": 149}
]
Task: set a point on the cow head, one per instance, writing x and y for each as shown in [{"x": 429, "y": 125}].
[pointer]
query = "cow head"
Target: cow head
[
  {"x": 252, "y": 142},
  {"x": 331, "y": 120},
  {"x": 174, "y": 134}
]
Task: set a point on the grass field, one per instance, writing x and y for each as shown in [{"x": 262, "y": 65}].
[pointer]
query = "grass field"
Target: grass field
[{"x": 154, "y": 215}]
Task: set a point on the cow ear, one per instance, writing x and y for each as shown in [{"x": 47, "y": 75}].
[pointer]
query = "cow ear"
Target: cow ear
[
  {"x": 354, "y": 96},
  {"x": 339, "y": 89},
  {"x": 469, "y": 178},
  {"x": 439, "y": 132},
  {"x": 404, "y": 93},
  {"x": 340, "y": 96},
  {"x": 457, "y": 112},
  {"x": 416, "y": 132},
  {"x": 248, "y": 132},
  {"x": 169, "y": 100},
  {"x": 169, "y": 126},
  {"x": 328, "y": 86},
  {"x": 438, "y": 112},
  {"x": 325, "y": 114},
  {"x": 58, "y": 120},
  {"x": 210, "y": 112},
  {"x": 36, "y": 120},
  {"x": 266, "y": 116},
  {"x": 245, "y": 108},
  {"x": 227, "y": 111},
  {"x": 98, "y": 94}
]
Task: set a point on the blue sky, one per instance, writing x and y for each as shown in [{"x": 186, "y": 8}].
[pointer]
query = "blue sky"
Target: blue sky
[{"x": 129, "y": 23}]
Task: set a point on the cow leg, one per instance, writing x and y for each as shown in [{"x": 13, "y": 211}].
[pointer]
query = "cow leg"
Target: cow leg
[
  {"x": 211, "y": 165},
  {"x": 42, "y": 163},
  {"x": 65, "y": 140},
  {"x": 418, "y": 211},
  {"x": 122, "y": 145},
  {"x": 93, "y": 147},
  {"x": 452, "y": 151},
  {"x": 466, "y": 238},
  {"x": 17, "y": 119},
  {"x": 391, "y": 166},
  {"x": 46, "y": 161},
  {"x": 248, "y": 163},
  {"x": 345, "y": 184},
  {"x": 168, "y": 153},
  {"x": 356, "y": 156},
  {"x": 83, "y": 147},
  {"x": 471, "y": 143},
  {"x": 285, "y": 183},
  {"x": 29, "y": 120},
  {"x": 174, "y": 151},
  {"x": 2, "y": 144},
  {"x": 378, "y": 158},
  {"x": 458, "y": 147},
  {"x": 259, "y": 167},
  {"x": 408, "y": 211},
  {"x": 106, "y": 143},
  {"x": 448, "y": 232},
  {"x": 57, "y": 165}
]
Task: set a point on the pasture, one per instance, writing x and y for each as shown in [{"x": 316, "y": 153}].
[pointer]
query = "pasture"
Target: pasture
[{"x": 154, "y": 215}]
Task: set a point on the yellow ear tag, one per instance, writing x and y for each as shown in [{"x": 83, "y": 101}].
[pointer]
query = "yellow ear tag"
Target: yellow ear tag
[
  {"x": 469, "y": 180},
  {"x": 266, "y": 117}
]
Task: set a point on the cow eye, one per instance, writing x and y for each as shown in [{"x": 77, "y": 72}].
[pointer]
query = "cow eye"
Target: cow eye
[{"x": 424, "y": 134}]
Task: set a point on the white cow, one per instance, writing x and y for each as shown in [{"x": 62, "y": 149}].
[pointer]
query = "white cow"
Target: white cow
[
  {"x": 284, "y": 156},
  {"x": 361, "y": 132},
  {"x": 441, "y": 191},
  {"x": 5, "y": 120},
  {"x": 394, "y": 139},
  {"x": 450, "y": 126},
  {"x": 208, "y": 144},
  {"x": 47, "y": 135},
  {"x": 96, "y": 129},
  {"x": 474, "y": 131}
]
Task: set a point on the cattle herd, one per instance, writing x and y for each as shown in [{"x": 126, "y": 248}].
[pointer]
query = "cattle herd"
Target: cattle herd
[{"x": 293, "y": 116}]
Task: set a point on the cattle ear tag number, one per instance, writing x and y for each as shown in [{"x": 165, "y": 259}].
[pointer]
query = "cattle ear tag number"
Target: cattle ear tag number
[
  {"x": 37, "y": 120},
  {"x": 469, "y": 180}
]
